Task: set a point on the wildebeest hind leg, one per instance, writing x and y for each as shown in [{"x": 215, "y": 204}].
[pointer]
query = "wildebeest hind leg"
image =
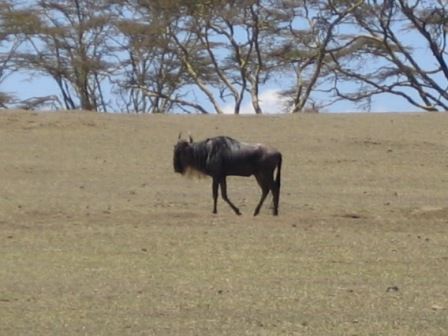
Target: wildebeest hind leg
[
  {"x": 223, "y": 185},
  {"x": 276, "y": 195},
  {"x": 215, "y": 195},
  {"x": 264, "y": 185}
]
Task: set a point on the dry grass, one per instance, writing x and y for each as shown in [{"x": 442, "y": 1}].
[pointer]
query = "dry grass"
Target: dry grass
[{"x": 98, "y": 236}]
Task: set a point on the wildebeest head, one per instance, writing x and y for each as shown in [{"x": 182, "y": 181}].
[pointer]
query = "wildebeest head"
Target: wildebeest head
[{"x": 182, "y": 155}]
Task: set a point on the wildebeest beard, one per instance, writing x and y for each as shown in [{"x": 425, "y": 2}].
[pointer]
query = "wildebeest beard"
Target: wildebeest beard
[{"x": 192, "y": 173}]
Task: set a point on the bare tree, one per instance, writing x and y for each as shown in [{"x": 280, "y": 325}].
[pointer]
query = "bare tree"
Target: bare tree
[
  {"x": 158, "y": 67},
  {"x": 146, "y": 67},
  {"x": 68, "y": 41},
  {"x": 207, "y": 48},
  {"x": 406, "y": 55},
  {"x": 38, "y": 103},
  {"x": 8, "y": 47},
  {"x": 235, "y": 36},
  {"x": 309, "y": 42}
]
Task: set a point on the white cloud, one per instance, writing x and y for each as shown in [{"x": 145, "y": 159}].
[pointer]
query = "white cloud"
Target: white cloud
[{"x": 271, "y": 102}]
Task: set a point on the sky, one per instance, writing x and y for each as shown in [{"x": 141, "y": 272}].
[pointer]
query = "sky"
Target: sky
[{"x": 271, "y": 102}]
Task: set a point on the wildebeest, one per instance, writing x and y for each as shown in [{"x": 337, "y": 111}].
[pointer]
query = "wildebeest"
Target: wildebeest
[{"x": 222, "y": 156}]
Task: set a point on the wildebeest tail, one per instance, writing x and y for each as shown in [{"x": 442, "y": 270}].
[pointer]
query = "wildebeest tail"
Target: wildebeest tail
[{"x": 279, "y": 168}]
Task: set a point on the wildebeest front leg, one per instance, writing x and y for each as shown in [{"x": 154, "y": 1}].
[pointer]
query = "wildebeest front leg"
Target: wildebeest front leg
[{"x": 223, "y": 185}]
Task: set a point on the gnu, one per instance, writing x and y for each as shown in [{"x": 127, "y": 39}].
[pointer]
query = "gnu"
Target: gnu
[{"x": 223, "y": 156}]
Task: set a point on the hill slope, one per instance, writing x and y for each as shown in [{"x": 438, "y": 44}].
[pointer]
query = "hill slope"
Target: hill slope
[{"x": 99, "y": 236}]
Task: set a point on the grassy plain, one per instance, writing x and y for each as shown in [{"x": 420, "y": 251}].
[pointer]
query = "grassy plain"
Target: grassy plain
[{"x": 98, "y": 236}]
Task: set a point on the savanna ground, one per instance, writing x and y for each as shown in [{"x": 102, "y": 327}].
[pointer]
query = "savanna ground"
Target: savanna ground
[{"x": 98, "y": 236}]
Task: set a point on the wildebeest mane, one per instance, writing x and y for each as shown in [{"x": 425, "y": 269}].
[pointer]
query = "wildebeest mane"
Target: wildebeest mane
[
  {"x": 198, "y": 159},
  {"x": 206, "y": 153},
  {"x": 199, "y": 154}
]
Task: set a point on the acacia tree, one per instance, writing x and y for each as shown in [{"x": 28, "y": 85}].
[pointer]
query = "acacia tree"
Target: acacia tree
[
  {"x": 68, "y": 41},
  {"x": 194, "y": 59},
  {"x": 148, "y": 72},
  {"x": 157, "y": 62},
  {"x": 407, "y": 56},
  {"x": 206, "y": 47},
  {"x": 182, "y": 55},
  {"x": 309, "y": 40},
  {"x": 175, "y": 48},
  {"x": 230, "y": 35},
  {"x": 231, "y": 49},
  {"x": 234, "y": 38},
  {"x": 9, "y": 44},
  {"x": 147, "y": 69}
]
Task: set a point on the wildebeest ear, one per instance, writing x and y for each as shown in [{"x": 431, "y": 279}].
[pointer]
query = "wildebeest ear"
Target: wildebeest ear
[
  {"x": 191, "y": 139},
  {"x": 179, "y": 136}
]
